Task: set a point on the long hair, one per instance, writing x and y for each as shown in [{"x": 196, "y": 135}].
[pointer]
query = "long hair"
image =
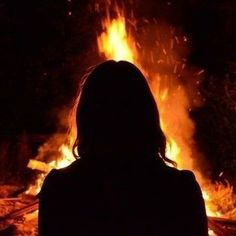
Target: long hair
[{"x": 117, "y": 114}]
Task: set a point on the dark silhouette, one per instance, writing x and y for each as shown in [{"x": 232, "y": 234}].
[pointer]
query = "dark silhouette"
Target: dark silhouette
[{"x": 121, "y": 185}]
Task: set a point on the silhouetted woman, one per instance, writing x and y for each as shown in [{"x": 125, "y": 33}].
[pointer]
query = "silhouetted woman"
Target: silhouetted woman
[{"x": 121, "y": 185}]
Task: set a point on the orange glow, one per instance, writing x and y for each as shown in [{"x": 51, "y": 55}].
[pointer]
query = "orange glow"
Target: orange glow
[
  {"x": 172, "y": 150},
  {"x": 116, "y": 43},
  {"x": 65, "y": 157},
  {"x": 170, "y": 95}
]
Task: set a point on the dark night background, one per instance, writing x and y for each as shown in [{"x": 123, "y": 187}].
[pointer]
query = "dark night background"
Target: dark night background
[{"x": 47, "y": 45}]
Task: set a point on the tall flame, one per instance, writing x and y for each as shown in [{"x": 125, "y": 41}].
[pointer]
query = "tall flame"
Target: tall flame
[{"x": 115, "y": 43}]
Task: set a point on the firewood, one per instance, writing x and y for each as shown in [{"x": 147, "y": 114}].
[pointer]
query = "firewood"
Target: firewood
[
  {"x": 38, "y": 165},
  {"x": 10, "y": 199},
  {"x": 222, "y": 226},
  {"x": 21, "y": 212}
]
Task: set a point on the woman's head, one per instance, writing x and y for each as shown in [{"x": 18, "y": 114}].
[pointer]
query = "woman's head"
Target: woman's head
[{"x": 117, "y": 113}]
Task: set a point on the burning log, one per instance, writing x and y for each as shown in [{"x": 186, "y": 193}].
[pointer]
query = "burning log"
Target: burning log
[
  {"x": 20, "y": 212},
  {"x": 10, "y": 191},
  {"x": 222, "y": 226},
  {"x": 22, "y": 221},
  {"x": 10, "y": 199},
  {"x": 38, "y": 165}
]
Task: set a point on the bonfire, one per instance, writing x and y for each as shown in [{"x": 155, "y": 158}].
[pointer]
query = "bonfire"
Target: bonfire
[{"x": 162, "y": 59}]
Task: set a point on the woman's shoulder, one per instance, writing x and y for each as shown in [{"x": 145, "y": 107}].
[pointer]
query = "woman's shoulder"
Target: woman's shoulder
[
  {"x": 63, "y": 172},
  {"x": 59, "y": 178},
  {"x": 185, "y": 175},
  {"x": 182, "y": 179},
  {"x": 186, "y": 184}
]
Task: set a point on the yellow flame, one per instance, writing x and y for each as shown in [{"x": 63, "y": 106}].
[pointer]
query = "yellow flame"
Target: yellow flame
[
  {"x": 172, "y": 150},
  {"x": 66, "y": 159},
  {"x": 114, "y": 42},
  {"x": 164, "y": 94}
]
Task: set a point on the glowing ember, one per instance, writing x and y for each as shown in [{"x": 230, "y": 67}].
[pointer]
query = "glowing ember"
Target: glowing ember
[{"x": 211, "y": 233}]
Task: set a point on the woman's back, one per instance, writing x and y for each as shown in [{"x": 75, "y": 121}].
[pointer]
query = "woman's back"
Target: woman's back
[
  {"x": 121, "y": 186},
  {"x": 139, "y": 198}
]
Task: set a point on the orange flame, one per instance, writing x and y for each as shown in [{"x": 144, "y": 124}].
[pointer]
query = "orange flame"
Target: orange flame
[{"x": 115, "y": 43}]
